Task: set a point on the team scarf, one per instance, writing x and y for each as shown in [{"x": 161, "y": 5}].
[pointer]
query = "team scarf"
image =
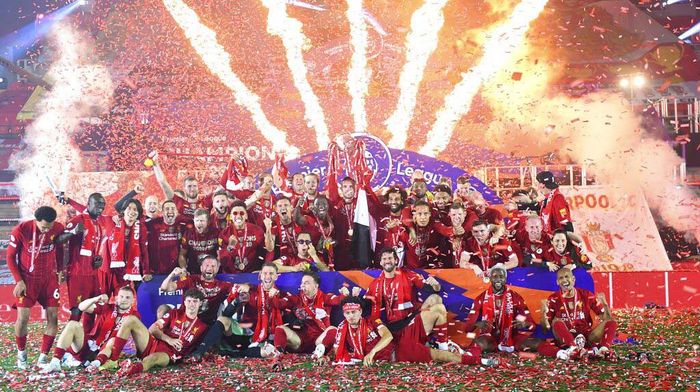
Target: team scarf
[
  {"x": 269, "y": 317},
  {"x": 316, "y": 308},
  {"x": 505, "y": 317},
  {"x": 112, "y": 324},
  {"x": 86, "y": 248},
  {"x": 126, "y": 254},
  {"x": 547, "y": 211},
  {"x": 379, "y": 287},
  {"x": 357, "y": 338},
  {"x": 234, "y": 173}
]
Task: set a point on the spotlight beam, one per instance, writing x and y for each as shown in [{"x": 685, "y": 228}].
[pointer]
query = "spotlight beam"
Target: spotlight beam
[
  {"x": 498, "y": 48},
  {"x": 358, "y": 78},
  {"x": 421, "y": 42},
  {"x": 289, "y": 30},
  {"x": 218, "y": 61}
]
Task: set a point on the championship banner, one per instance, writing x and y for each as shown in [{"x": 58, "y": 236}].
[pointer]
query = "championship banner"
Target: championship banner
[
  {"x": 618, "y": 229},
  {"x": 460, "y": 288}
]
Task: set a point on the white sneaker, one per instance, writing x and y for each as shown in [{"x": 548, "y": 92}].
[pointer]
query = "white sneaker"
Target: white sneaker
[
  {"x": 93, "y": 367},
  {"x": 43, "y": 360},
  {"x": 22, "y": 360},
  {"x": 564, "y": 355},
  {"x": 70, "y": 361},
  {"x": 506, "y": 349},
  {"x": 319, "y": 351},
  {"x": 580, "y": 341},
  {"x": 269, "y": 351},
  {"x": 489, "y": 361},
  {"x": 52, "y": 367},
  {"x": 451, "y": 347}
]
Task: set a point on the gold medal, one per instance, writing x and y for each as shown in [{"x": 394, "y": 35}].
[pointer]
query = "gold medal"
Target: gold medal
[
  {"x": 486, "y": 279},
  {"x": 350, "y": 232}
]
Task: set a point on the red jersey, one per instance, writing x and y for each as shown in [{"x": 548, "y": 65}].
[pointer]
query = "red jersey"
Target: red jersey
[
  {"x": 197, "y": 244},
  {"x": 163, "y": 245},
  {"x": 263, "y": 208},
  {"x": 215, "y": 292},
  {"x": 32, "y": 254},
  {"x": 486, "y": 256},
  {"x": 394, "y": 298},
  {"x": 249, "y": 252},
  {"x": 108, "y": 322},
  {"x": 177, "y": 325},
  {"x": 186, "y": 209},
  {"x": 533, "y": 250},
  {"x": 315, "y": 313},
  {"x": 82, "y": 248},
  {"x": 574, "y": 311},
  {"x": 516, "y": 310},
  {"x": 491, "y": 216},
  {"x": 424, "y": 254},
  {"x": 570, "y": 256},
  {"x": 353, "y": 342},
  {"x": 555, "y": 212},
  {"x": 286, "y": 237}
]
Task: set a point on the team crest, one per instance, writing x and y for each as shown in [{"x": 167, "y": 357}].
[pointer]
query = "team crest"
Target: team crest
[{"x": 599, "y": 241}]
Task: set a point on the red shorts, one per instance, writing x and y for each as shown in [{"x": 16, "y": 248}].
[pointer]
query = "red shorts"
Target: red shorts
[
  {"x": 43, "y": 290},
  {"x": 518, "y": 339},
  {"x": 111, "y": 281},
  {"x": 158, "y": 346},
  {"x": 411, "y": 343},
  {"x": 81, "y": 288},
  {"x": 308, "y": 341}
]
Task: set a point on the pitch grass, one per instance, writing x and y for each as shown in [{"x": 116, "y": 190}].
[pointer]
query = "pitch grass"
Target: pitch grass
[{"x": 670, "y": 338}]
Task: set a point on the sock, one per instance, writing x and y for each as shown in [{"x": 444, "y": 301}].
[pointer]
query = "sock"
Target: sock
[
  {"x": 21, "y": 342},
  {"x": 213, "y": 337},
  {"x": 440, "y": 333},
  {"x": 46, "y": 343},
  {"x": 280, "y": 339},
  {"x": 136, "y": 368},
  {"x": 101, "y": 358},
  {"x": 548, "y": 349},
  {"x": 59, "y": 352},
  {"x": 117, "y": 348},
  {"x": 609, "y": 333},
  {"x": 562, "y": 333},
  {"x": 472, "y": 355},
  {"x": 329, "y": 339}
]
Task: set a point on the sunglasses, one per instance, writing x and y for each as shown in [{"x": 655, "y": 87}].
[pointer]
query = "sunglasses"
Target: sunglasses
[
  {"x": 304, "y": 242},
  {"x": 237, "y": 213}
]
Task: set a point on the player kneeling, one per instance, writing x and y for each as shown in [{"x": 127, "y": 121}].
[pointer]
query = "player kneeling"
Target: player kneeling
[{"x": 166, "y": 341}]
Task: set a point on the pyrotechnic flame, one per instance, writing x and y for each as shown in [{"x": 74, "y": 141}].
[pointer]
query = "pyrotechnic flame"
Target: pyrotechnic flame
[
  {"x": 218, "y": 61},
  {"x": 358, "y": 76},
  {"x": 421, "y": 42},
  {"x": 499, "y": 46},
  {"x": 79, "y": 89},
  {"x": 289, "y": 30}
]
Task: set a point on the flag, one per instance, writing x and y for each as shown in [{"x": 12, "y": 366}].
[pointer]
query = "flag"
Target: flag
[{"x": 364, "y": 232}]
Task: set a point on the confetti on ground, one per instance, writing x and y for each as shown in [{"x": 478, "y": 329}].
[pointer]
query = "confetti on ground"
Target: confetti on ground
[{"x": 669, "y": 339}]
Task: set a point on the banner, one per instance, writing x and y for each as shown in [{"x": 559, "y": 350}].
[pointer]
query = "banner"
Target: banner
[
  {"x": 618, "y": 229},
  {"x": 459, "y": 290}
]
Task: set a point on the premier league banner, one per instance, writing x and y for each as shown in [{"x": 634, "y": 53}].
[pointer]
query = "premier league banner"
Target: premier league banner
[
  {"x": 393, "y": 167},
  {"x": 459, "y": 290}
]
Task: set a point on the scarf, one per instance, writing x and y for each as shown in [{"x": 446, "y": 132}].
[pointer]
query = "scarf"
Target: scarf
[
  {"x": 546, "y": 212},
  {"x": 318, "y": 312},
  {"x": 88, "y": 235},
  {"x": 235, "y": 171},
  {"x": 126, "y": 254},
  {"x": 505, "y": 318},
  {"x": 400, "y": 285},
  {"x": 268, "y": 317},
  {"x": 358, "y": 340}
]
